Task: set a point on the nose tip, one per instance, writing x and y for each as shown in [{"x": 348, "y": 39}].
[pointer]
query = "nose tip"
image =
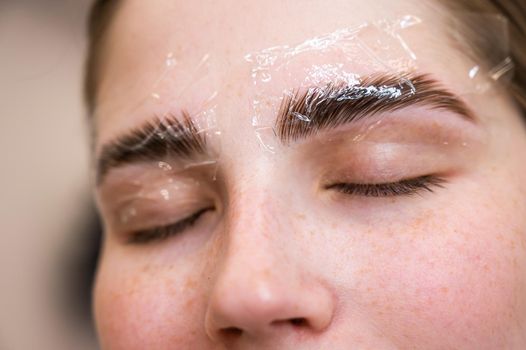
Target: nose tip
[{"x": 261, "y": 309}]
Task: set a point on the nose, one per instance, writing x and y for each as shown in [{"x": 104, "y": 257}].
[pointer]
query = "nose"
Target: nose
[
  {"x": 259, "y": 307},
  {"x": 261, "y": 290}
]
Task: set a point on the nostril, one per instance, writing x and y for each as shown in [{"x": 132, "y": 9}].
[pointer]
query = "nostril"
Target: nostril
[
  {"x": 232, "y": 331},
  {"x": 298, "y": 322}
]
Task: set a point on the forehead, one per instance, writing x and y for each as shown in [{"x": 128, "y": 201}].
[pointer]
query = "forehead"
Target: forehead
[{"x": 165, "y": 55}]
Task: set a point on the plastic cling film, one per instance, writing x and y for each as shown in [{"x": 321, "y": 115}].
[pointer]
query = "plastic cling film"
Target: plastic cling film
[
  {"x": 487, "y": 28},
  {"x": 175, "y": 143},
  {"x": 345, "y": 65},
  {"x": 366, "y": 69},
  {"x": 369, "y": 46},
  {"x": 201, "y": 120},
  {"x": 179, "y": 123}
]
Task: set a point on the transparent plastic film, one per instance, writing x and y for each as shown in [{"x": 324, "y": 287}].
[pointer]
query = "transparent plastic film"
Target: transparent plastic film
[
  {"x": 158, "y": 195},
  {"x": 367, "y": 88},
  {"x": 497, "y": 64},
  {"x": 203, "y": 117},
  {"x": 175, "y": 124},
  {"x": 357, "y": 72},
  {"x": 156, "y": 177}
]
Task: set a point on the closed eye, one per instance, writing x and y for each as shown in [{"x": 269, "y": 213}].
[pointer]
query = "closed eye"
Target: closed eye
[
  {"x": 163, "y": 232},
  {"x": 401, "y": 188}
]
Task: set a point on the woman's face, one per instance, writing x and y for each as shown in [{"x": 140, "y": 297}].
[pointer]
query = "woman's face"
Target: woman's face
[{"x": 356, "y": 186}]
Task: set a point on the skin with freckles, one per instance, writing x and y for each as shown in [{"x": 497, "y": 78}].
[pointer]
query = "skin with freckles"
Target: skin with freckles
[{"x": 285, "y": 256}]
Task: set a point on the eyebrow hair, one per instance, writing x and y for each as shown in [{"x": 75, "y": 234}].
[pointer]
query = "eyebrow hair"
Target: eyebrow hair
[
  {"x": 154, "y": 139},
  {"x": 301, "y": 114},
  {"x": 304, "y": 113}
]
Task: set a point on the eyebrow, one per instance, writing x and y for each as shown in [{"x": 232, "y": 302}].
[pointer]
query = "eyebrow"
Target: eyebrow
[
  {"x": 304, "y": 113},
  {"x": 155, "y": 139}
]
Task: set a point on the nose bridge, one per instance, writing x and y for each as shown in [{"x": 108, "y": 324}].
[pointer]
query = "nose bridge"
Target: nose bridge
[
  {"x": 256, "y": 210},
  {"x": 254, "y": 230}
]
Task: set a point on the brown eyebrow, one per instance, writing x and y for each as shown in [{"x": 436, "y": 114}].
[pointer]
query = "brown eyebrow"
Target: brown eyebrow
[
  {"x": 304, "y": 113},
  {"x": 301, "y": 115},
  {"x": 155, "y": 139}
]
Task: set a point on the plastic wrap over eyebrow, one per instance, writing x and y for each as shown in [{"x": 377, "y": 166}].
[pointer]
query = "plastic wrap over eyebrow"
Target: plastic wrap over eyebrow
[
  {"x": 203, "y": 115},
  {"x": 333, "y": 61},
  {"x": 181, "y": 129},
  {"x": 344, "y": 65}
]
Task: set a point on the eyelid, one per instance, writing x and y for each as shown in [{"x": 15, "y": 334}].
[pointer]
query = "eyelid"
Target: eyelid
[
  {"x": 141, "y": 213},
  {"x": 404, "y": 187},
  {"x": 154, "y": 200},
  {"x": 165, "y": 231}
]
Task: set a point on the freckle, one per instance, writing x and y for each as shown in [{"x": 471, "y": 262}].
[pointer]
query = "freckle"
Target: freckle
[
  {"x": 363, "y": 271},
  {"x": 444, "y": 290},
  {"x": 132, "y": 285},
  {"x": 190, "y": 283},
  {"x": 301, "y": 216},
  {"x": 267, "y": 273},
  {"x": 189, "y": 303},
  {"x": 430, "y": 301},
  {"x": 146, "y": 268}
]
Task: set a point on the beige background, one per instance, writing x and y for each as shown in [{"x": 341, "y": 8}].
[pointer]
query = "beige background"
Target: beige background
[{"x": 44, "y": 173}]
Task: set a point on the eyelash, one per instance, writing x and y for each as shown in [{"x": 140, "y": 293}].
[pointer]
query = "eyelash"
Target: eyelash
[
  {"x": 401, "y": 188},
  {"x": 163, "y": 232}
]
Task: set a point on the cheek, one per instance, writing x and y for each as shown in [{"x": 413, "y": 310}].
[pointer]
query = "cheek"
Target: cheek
[
  {"x": 140, "y": 307},
  {"x": 464, "y": 278}
]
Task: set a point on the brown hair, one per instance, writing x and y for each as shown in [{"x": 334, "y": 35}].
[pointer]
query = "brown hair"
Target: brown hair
[{"x": 482, "y": 40}]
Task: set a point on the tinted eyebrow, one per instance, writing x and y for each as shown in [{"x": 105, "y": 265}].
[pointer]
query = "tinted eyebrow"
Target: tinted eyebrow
[
  {"x": 155, "y": 139},
  {"x": 304, "y": 113}
]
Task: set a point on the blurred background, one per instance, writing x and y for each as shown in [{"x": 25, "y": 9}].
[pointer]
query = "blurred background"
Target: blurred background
[{"x": 50, "y": 233}]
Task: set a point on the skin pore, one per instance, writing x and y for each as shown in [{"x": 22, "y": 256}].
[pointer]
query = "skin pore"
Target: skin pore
[{"x": 287, "y": 251}]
